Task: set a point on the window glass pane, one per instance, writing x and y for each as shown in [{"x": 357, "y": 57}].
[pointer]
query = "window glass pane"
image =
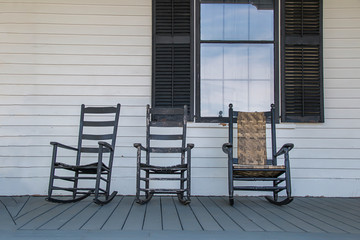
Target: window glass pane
[
  {"x": 212, "y": 97},
  {"x": 260, "y": 97},
  {"x": 236, "y": 61},
  {"x": 237, "y": 93},
  {"x": 241, "y": 74},
  {"x": 212, "y": 22},
  {"x": 260, "y": 57},
  {"x": 236, "y": 24},
  {"x": 212, "y": 61},
  {"x": 237, "y": 20}
]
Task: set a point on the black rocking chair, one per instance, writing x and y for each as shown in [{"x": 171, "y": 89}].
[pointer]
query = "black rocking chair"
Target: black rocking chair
[
  {"x": 252, "y": 164},
  {"x": 97, "y": 136},
  {"x": 164, "y": 128}
]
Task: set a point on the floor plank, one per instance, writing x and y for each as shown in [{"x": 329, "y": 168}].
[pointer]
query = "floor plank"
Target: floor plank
[
  {"x": 82, "y": 217},
  {"x": 330, "y": 218},
  {"x": 30, "y": 216},
  {"x": 312, "y": 218},
  {"x": 350, "y": 203},
  {"x": 170, "y": 217},
  {"x": 6, "y": 220},
  {"x": 118, "y": 217},
  {"x": 272, "y": 216},
  {"x": 333, "y": 204},
  {"x": 188, "y": 220},
  {"x": 241, "y": 204},
  {"x": 205, "y": 219},
  {"x": 14, "y": 204},
  {"x": 48, "y": 215},
  {"x": 97, "y": 221},
  {"x": 32, "y": 204},
  {"x": 153, "y": 218},
  {"x": 219, "y": 215},
  {"x": 59, "y": 221},
  {"x": 245, "y": 223},
  {"x": 135, "y": 219},
  {"x": 282, "y": 212}
]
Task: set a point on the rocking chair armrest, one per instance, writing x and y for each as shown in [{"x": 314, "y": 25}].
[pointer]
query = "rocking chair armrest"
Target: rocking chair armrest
[
  {"x": 139, "y": 146},
  {"x": 107, "y": 145},
  {"x": 63, "y": 146},
  {"x": 285, "y": 148},
  {"x": 225, "y": 147},
  {"x": 189, "y": 146}
]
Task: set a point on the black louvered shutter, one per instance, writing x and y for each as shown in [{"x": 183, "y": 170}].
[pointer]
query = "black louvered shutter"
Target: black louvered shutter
[
  {"x": 172, "y": 54},
  {"x": 302, "y": 70}
]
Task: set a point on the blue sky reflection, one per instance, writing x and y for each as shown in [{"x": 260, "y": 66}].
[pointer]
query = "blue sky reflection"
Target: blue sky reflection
[{"x": 238, "y": 73}]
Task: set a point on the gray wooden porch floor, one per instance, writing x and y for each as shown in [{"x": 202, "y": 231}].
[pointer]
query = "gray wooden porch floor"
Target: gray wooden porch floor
[{"x": 321, "y": 218}]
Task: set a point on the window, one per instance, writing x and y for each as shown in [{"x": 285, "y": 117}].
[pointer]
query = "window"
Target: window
[
  {"x": 239, "y": 57},
  {"x": 236, "y": 56}
]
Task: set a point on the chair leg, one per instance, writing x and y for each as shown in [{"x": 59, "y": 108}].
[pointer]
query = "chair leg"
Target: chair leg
[
  {"x": 107, "y": 200},
  {"x": 98, "y": 179},
  {"x": 181, "y": 196},
  {"x": 52, "y": 171},
  {"x": 231, "y": 188},
  {"x": 184, "y": 200},
  {"x": 97, "y": 183},
  {"x": 108, "y": 197},
  {"x": 148, "y": 197}
]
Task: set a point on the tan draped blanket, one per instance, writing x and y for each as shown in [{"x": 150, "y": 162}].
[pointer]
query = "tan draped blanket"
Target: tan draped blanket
[{"x": 251, "y": 138}]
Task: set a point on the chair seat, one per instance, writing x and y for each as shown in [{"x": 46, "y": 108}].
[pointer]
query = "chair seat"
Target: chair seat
[
  {"x": 86, "y": 169},
  {"x": 258, "y": 170},
  {"x": 164, "y": 170}
]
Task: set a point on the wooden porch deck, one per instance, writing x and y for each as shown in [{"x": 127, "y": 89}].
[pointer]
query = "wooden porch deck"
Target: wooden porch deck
[{"x": 164, "y": 217}]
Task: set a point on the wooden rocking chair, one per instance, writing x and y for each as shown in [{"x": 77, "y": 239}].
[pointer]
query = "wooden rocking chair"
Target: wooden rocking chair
[
  {"x": 98, "y": 129},
  {"x": 165, "y": 135},
  {"x": 251, "y": 164}
]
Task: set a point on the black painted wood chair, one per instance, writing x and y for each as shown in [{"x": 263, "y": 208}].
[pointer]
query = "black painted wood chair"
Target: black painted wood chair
[
  {"x": 89, "y": 170},
  {"x": 167, "y": 156},
  {"x": 251, "y": 170}
]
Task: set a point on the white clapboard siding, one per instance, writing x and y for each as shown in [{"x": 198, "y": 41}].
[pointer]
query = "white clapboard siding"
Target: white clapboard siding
[{"x": 58, "y": 54}]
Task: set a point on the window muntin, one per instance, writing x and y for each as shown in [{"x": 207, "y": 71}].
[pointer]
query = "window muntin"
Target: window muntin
[{"x": 236, "y": 56}]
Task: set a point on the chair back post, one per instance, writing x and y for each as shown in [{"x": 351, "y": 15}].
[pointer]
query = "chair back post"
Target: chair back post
[
  {"x": 184, "y": 135},
  {"x": 273, "y": 135},
  {"x": 231, "y": 122},
  {"x": 184, "y": 126},
  {"x": 230, "y": 151},
  {"x": 148, "y": 120},
  {"x": 117, "y": 116},
  {"x": 81, "y": 127},
  {"x": 113, "y": 140}
]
